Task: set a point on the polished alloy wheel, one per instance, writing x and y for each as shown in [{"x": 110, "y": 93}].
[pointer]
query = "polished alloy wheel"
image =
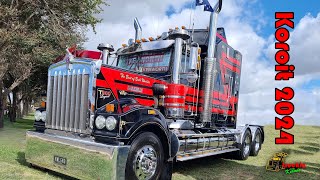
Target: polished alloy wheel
[
  {"x": 145, "y": 163},
  {"x": 257, "y": 140},
  {"x": 246, "y": 145}
]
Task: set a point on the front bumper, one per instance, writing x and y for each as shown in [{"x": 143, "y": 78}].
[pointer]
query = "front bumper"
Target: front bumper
[{"x": 76, "y": 157}]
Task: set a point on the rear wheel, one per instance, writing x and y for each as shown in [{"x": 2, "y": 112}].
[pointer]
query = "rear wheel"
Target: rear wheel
[
  {"x": 256, "y": 143},
  {"x": 245, "y": 147},
  {"x": 145, "y": 158}
]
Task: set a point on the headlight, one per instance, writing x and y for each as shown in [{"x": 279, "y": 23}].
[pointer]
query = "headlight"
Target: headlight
[
  {"x": 100, "y": 122},
  {"x": 43, "y": 116},
  {"x": 37, "y": 115},
  {"x": 111, "y": 123}
]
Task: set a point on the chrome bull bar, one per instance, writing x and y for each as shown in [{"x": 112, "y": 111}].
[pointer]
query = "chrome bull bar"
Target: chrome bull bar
[{"x": 77, "y": 157}]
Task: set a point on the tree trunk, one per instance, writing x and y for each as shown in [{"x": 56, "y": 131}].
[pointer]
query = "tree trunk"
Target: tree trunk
[
  {"x": 13, "y": 107},
  {"x": 19, "y": 105},
  {"x": 25, "y": 107},
  {"x": 2, "y": 102}
]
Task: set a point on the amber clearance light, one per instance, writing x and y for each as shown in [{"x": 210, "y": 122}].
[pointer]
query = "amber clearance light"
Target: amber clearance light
[{"x": 110, "y": 108}]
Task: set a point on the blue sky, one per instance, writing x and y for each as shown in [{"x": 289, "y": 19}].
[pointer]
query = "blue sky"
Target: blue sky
[
  {"x": 249, "y": 26},
  {"x": 265, "y": 10},
  {"x": 268, "y": 8}
]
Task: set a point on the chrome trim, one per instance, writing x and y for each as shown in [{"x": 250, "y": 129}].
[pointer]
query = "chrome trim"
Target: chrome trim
[
  {"x": 137, "y": 28},
  {"x": 63, "y": 105},
  {"x": 173, "y": 96},
  {"x": 174, "y": 112},
  {"x": 49, "y": 98},
  {"x": 257, "y": 140},
  {"x": 82, "y": 155},
  {"x": 209, "y": 72},
  {"x": 145, "y": 162},
  {"x": 205, "y": 153},
  {"x": 247, "y": 144},
  {"x": 54, "y": 103},
  {"x": 177, "y": 61},
  {"x": 58, "y": 97},
  {"x": 146, "y": 46},
  {"x": 174, "y": 104}
]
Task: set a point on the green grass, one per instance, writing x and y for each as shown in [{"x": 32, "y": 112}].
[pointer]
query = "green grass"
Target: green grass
[{"x": 306, "y": 149}]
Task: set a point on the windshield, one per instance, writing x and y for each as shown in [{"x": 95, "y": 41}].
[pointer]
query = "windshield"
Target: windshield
[{"x": 146, "y": 62}]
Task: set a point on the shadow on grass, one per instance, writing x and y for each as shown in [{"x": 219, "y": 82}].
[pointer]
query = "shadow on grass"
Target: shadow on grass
[
  {"x": 19, "y": 124},
  {"x": 219, "y": 168},
  {"x": 309, "y": 144},
  {"x": 310, "y": 137},
  {"x": 21, "y": 158},
  {"x": 298, "y": 152},
  {"x": 310, "y": 148}
]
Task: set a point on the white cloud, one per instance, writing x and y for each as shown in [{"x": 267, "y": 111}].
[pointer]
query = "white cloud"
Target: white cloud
[
  {"x": 257, "y": 78},
  {"x": 304, "y": 40}
]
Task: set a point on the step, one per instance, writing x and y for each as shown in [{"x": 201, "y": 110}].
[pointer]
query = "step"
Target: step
[{"x": 205, "y": 153}]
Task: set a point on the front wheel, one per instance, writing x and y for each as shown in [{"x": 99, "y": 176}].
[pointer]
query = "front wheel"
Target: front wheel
[{"x": 145, "y": 158}]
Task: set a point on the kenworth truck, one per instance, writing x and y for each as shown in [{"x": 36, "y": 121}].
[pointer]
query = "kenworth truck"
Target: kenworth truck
[{"x": 167, "y": 99}]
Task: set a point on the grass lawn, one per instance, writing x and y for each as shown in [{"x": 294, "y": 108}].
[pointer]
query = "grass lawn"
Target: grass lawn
[{"x": 306, "y": 149}]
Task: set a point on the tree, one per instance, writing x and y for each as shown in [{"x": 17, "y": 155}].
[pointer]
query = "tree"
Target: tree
[{"x": 35, "y": 32}]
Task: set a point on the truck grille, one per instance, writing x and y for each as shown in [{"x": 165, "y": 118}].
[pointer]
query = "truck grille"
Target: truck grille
[{"x": 67, "y": 100}]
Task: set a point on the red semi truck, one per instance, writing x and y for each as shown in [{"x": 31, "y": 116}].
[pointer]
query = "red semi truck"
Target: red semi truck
[{"x": 167, "y": 99}]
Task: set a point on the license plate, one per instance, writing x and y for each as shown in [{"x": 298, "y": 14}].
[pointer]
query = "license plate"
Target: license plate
[{"x": 60, "y": 160}]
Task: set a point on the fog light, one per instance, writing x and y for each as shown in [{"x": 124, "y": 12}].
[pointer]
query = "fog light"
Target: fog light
[
  {"x": 37, "y": 115},
  {"x": 111, "y": 123},
  {"x": 100, "y": 122},
  {"x": 43, "y": 116}
]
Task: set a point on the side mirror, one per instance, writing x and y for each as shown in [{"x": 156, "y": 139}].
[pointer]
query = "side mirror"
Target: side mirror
[{"x": 193, "y": 59}]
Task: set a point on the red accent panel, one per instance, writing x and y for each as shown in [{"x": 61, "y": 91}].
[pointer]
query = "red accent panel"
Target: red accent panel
[
  {"x": 231, "y": 59},
  {"x": 175, "y": 94},
  {"x": 102, "y": 83},
  {"x": 88, "y": 54},
  {"x": 222, "y": 38}
]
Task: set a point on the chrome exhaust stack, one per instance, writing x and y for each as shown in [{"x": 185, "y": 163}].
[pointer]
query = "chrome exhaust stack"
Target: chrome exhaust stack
[
  {"x": 138, "y": 29},
  {"x": 106, "y": 49},
  {"x": 210, "y": 65}
]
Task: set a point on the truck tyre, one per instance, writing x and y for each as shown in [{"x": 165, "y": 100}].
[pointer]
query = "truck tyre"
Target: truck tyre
[
  {"x": 256, "y": 143},
  {"x": 146, "y": 158},
  {"x": 245, "y": 146},
  {"x": 40, "y": 129}
]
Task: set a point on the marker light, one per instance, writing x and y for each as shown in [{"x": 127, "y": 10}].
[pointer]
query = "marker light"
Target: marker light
[{"x": 110, "y": 108}]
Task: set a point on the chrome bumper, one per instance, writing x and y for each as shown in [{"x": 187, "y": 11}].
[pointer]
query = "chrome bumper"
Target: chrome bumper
[{"x": 83, "y": 159}]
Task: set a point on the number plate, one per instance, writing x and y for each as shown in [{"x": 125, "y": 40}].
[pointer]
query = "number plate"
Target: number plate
[{"x": 60, "y": 160}]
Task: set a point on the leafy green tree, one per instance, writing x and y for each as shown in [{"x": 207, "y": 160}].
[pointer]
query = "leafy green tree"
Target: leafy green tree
[{"x": 35, "y": 32}]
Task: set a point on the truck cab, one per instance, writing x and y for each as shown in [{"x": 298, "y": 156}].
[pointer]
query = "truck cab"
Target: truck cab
[{"x": 167, "y": 99}]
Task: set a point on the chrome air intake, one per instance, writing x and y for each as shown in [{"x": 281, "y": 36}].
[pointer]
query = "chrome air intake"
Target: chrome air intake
[
  {"x": 178, "y": 35},
  {"x": 175, "y": 95}
]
